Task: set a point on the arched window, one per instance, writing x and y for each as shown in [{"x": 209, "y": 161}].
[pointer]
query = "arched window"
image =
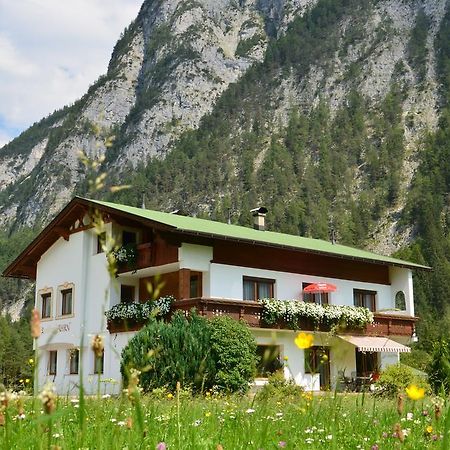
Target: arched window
[{"x": 400, "y": 301}]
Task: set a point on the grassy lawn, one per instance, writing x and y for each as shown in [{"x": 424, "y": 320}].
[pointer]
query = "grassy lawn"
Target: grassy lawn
[{"x": 344, "y": 421}]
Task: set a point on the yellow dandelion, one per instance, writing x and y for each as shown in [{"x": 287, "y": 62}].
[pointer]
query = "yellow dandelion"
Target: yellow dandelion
[
  {"x": 31, "y": 361},
  {"x": 304, "y": 340},
  {"x": 429, "y": 429},
  {"x": 170, "y": 396},
  {"x": 414, "y": 392}
]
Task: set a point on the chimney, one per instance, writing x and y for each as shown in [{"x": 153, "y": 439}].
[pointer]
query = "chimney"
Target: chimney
[{"x": 259, "y": 216}]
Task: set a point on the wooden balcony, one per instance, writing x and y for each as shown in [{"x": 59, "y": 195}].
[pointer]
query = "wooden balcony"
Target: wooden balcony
[{"x": 251, "y": 312}]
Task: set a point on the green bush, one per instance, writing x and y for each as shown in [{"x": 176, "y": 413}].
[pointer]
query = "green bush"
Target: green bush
[
  {"x": 169, "y": 352},
  {"x": 439, "y": 368},
  {"x": 419, "y": 359},
  {"x": 278, "y": 387},
  {"x": 396, "y": 378},
  {"x": 219, "y": 354},
  {"x": 234, "y": 351}
]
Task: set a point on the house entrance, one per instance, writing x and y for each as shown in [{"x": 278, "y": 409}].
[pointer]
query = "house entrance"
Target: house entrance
[
  {"x": 317, "y": 361},
  {"x": 366, "y": 363}
]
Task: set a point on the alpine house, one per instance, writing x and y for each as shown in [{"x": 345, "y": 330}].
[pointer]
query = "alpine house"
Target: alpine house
[{"x": 357, "y": 305}]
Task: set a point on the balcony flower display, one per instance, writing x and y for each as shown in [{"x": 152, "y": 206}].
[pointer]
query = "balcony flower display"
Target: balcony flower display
[
  {"x": 291, "y": 311},
  {"x": 140, "y": 312},
  {"x": 126, "y": 254}
]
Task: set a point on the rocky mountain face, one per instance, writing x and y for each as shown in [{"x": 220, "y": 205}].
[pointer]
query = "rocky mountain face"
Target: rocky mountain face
[
  {"x": 166, "y": 72},
  {"x": 321, "y": 109}
]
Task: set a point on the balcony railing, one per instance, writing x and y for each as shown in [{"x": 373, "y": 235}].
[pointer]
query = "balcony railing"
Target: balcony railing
[{"x": 251, "y": 312}]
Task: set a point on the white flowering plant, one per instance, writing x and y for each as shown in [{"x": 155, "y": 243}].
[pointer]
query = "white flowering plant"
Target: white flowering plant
[
  {"x": 125, "y": 254},
  {"x": 291, "y": 311},
  {"x": 141, "y": 312}
]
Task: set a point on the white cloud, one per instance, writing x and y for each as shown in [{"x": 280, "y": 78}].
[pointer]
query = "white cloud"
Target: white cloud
[{"x": 52, "y": 50}]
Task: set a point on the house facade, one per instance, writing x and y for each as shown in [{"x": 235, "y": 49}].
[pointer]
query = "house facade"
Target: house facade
[{"x": 219, "y": 269}]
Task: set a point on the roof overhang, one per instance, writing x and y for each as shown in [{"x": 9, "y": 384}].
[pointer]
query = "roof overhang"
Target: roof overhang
[{"x": 375, "y": 344}]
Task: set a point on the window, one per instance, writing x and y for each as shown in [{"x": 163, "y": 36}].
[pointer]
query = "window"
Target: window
[
  {"x": 320, "y": 298},
  {"x": 74, "y": 358},
  {"x": 99, "y": 363},
  {"x": 52, "y": 361},
  {"x": 46, "y": 305},
  {"x": 364, "y": 298},
  {"x": 269, "y": 360},
  {"x": 400, "y": 301},
  {"x": 366, "y": 363},
  {"x": 66, "y": 302},
  {"x": 195, "y": 285},
  {"x": 126, "y": 294},
  {"x": 128, "y": 237},
  {"x": 101, "y": 239},
  {"x": 258, "y": 288}
]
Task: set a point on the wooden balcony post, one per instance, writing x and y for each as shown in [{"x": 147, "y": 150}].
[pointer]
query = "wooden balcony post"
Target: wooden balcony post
[{"x": 184, "y": 284}]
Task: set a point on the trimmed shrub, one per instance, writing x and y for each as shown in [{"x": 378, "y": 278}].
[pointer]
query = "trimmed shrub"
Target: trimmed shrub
[
  {"x": 169, "y": 352},
  {"x": 219, "y": 354},
  {"x": 396, "y": 378},
  {"x": 233, "y": 349}
]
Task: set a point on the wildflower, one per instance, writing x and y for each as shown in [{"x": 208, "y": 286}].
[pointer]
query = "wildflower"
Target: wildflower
[
  {"x": 330, "y": 437},
  {"x": 121, "y": 423},
  {"x": 21, "y": 381},
  {"x": 106, "y": 396},
  {"x": 286, "y": 358},
  {"x": 97, "y": 345},
  {"x": 304, "y": 340},
  {"x": 27, "y": 380},
  {"x": 409, "y": 416},
  {"x": 31, "y": 361},
  {"x": 414, "y": 392},
  {"x": 429, "y": 429},
  {"x": 170, "y": 396},
  {"x": 133, "y": 382},
  {"x": 129, "y": 423},
  {"x": 250, "y": 411},
  {"x": 398, "y": 432},
  {"x": 161, "y": 446},
  {"x": 207, "y": 413},
  {"x": 35, "y": 324},
  {"x": 197, "y": 423},
  {"x": 282, "y": 444},
  {"x": 437, "y": 411},
  {"x": 374, "y": 447},
  {"x": 400, "y": 404},
  {"x": 48, "y": 397}
]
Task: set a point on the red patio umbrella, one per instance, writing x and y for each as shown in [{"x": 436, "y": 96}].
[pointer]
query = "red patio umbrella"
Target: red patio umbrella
[{"x": 317, "y": 288}]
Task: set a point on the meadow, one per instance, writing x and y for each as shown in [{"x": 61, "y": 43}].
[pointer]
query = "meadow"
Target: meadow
[{"x": 179, "y": 421}]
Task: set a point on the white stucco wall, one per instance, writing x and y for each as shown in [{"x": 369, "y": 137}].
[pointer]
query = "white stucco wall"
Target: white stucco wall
[{"x": 226, "y": 282}]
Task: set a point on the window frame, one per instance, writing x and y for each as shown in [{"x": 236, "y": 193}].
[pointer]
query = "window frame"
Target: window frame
[
  {"x": 74, "y": 356},
  {"x": 61, "y": 289},
  {"x": 98, "y": 241},
  {"x": 50, "y": 362},
  {"x": 256, "y": 281},
  {"x": 47, "y": 292},
  {"x": 130, "y": 300},
  {"x": 360, "y": 292}
]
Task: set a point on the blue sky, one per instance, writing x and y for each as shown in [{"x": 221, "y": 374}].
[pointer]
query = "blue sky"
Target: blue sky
[{"x": 51, "y": 51}]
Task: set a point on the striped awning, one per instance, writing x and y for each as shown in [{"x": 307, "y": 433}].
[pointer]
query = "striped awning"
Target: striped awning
[{"x": 376, "y": 344}]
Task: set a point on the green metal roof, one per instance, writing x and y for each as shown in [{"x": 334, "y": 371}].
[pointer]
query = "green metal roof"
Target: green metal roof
[{"x": 194, "y": 225}]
